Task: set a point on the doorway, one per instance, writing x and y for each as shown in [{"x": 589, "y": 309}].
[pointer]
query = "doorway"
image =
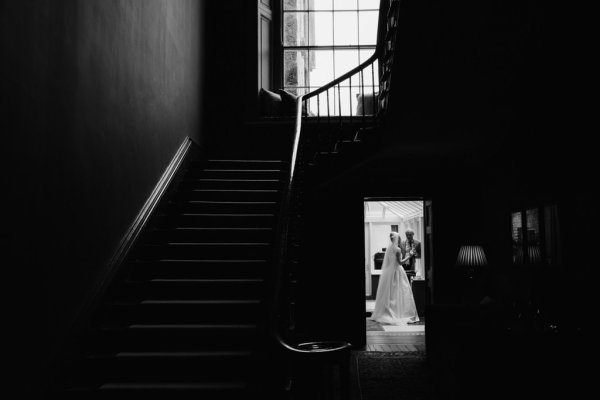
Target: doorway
[{"x": 410, "y": 220}]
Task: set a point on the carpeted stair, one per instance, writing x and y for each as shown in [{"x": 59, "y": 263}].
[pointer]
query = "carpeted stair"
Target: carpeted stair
[{"x": 184, "y": 319}]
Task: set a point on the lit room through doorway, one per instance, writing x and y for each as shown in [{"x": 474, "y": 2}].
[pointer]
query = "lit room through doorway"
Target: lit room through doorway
[{"x": 395, "y": 274}]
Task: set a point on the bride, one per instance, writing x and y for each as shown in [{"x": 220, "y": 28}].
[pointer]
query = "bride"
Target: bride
[{"x": 394, "y": 302}]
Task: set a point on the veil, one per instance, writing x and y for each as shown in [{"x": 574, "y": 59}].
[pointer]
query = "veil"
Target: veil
[{"x": 389, "y": 259}]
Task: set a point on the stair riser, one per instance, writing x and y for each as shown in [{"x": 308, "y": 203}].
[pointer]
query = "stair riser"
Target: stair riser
[
  {"x": 173, "y": 340},
  {"x": 174, "y": 270},
  {"x": 198, "y": 232},
  {"x": 264, "y": 235},
  {"x": 149, "y": 369},
  {"x": 225, "y": 183},
  {"x": 218, "y": 221},
  {"x": 217, "y": 173},
  {"x": 181, "y": 314},
  {"x": 223, "y": 208},
  {"x": 156, "y": 394},
  {"x": 232, "y": 195},
  {"x": 193, "y": 291},
  {"x": 206, "y": 251},
  {"x": 240, "y": 164}
]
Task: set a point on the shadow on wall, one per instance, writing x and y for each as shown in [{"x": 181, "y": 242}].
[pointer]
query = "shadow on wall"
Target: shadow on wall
[{"x": 99, "y": 95}]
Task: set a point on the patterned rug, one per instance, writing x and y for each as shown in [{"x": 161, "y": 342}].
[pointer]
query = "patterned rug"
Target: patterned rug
[{"x": 393, "y": 375}]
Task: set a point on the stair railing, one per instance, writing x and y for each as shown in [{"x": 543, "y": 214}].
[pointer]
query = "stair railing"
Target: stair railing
[{"x": 313, "y": 132}]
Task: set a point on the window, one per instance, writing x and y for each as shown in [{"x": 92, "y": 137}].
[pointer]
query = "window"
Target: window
[
  {"x": 536, "y": 229},
  {"x": 322, "y": 40}
]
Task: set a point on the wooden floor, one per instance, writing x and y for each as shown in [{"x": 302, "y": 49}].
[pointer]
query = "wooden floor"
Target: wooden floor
[{"x": 395, "y": 341}]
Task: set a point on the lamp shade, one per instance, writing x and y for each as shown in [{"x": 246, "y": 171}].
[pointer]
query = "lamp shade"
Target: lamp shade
[{"x": 471, "y": 256}]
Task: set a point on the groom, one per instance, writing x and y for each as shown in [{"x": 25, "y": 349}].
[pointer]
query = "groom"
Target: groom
[{"x": 412, "y": 247}]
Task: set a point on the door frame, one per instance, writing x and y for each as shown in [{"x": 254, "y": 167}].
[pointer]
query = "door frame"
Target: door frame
[{"x": 427, "y": 240}]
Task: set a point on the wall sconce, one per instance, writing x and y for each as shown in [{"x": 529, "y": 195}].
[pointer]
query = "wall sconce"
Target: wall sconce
[{"x": 470, "y": 258}]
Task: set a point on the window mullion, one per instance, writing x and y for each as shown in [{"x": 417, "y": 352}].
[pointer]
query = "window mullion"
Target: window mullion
[
  {"x": 307, "y": 73},
  {"x": 309, "y": 19}
]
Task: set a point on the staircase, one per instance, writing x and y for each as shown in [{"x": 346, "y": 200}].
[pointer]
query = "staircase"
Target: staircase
[
  {"x": 352, "y": 146},
  {"x": 185, "y": 320},
  {"x": 188, "y": 317}
]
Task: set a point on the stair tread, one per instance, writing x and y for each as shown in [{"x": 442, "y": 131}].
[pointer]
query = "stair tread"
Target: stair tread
[
  {"x": 172, "y": 385},
  {"x": 238, "y": 160},
  {"x": 216, "y": 244},
  {"x": 236, "y": 180},
  {"x": 229, "y": 202},
  {"x": 179, "y": 302},
  {"x": 228, "y": 228},
  {"x": 170, "y": 354},
  {"x": 238, "y": 190},
  {"x": 227, "y": 215},
  {"x": 168, "y": 260},
  {"x": 240, "y": 170},
  {"x": 212, "y": 280},
  {"x": 180, "y": 326},
  {"x": 188, "y": 301}
]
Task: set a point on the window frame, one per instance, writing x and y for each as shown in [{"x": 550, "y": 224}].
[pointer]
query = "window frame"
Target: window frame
[
  {"x": 280, "y": 67},
  {"x": 549, "y": 249}
]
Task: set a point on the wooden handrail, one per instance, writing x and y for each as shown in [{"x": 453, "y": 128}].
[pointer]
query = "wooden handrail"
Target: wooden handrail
[
  {"x": 283, "y": 230},
  {"x": 283, "y": 226},
  {"x": 347, "y": 75}
]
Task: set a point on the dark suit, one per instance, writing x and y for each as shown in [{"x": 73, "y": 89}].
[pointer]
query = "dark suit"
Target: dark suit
[{"x": 405, "y": 247}]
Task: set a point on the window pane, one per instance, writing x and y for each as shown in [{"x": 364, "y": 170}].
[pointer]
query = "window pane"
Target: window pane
[
  {"x": 365, "y": 54},
  {"x": 295, "y": 4},
  {"x": 331, "y": 96},
  {"x": 345, "y": 4},
  {"x": 370, "y": 72},
  {"x": 517, "y": 238},
  {"x": 368, "y": 4},
  {"x": 355, "y": 96},
  {"x": 345, "y": 60},
  {"x": 321, "y": 67},
  {"x": 321, "y": 29},
  {"x": 317, "y": 105},
  {"x": 533, "y": 236},
  {"x": 295, "y": 64},
  {"x": 345, "y": 28},
  {"x": 368, "y": 27},
  {"x": 295, "y": 29},
  {"x": 321, "y": 5},
  {"x": 345, "y": 101},
  {"x": 366, "y": 102}
]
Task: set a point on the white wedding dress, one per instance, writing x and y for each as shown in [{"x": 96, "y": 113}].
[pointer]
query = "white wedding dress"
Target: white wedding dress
[{"x": 394, "y": 301}]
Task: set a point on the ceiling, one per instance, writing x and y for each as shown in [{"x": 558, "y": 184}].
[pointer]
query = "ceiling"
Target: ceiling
[{"x": 402, "y": 209}]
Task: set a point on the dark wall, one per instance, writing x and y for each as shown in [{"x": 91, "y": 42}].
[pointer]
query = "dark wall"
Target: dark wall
[
  {"x": 97, "y": 96},
  {"x": 484, "y": 118},
  {"x": 232, "y": 71}
]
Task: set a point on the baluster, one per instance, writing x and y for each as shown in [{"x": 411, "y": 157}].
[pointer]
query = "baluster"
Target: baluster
[
  {"x": 339, "y": 103},
  {"x": 350, "y": 96},
  {"x": 362, "y": 94},
  {"x": 373, "y": 88},
  {"x": 328, "y": 112},
  {"x": 331, "y": 136},
  {"x": 318, "y": 108}
]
